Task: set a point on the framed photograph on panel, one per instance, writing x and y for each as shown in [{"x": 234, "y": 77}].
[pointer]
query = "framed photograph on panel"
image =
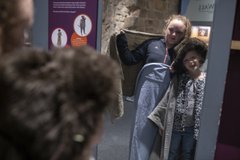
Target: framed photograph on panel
[
  {"x": 201, "y": 32},
  {"x": 200, "y": 13}
]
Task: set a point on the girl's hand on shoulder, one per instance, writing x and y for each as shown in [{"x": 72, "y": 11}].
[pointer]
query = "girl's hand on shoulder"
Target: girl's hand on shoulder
[
  {"x": 171, "y": 69},
  {"x": 160, "y": 131}
]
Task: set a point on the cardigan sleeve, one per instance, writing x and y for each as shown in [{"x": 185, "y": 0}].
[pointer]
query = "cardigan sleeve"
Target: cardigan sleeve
[
  {"x": 166, "y": 105},
  {"x": 159, "y": 113}
]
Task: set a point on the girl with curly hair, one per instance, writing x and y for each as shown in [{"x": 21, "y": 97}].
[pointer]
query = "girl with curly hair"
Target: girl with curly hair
[{"x": 178, "y": 113}]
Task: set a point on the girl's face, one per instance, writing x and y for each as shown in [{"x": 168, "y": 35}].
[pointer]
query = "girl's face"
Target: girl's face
[
  {"x": 26, "y": 11},
  {"x": 175, "y": 32},
  {"x": 192, "y": 62},
  {"x": 24, "y": 19}
]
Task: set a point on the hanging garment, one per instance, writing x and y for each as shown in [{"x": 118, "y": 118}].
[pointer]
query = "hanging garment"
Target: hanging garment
[{"x": 152, "y": 83}]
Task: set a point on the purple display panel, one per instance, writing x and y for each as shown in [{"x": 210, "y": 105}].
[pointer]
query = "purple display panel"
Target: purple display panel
[{"x": 72, "y": 23}]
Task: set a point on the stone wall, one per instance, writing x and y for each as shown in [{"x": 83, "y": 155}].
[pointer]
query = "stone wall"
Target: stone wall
[{"x": 140, "y": 15}]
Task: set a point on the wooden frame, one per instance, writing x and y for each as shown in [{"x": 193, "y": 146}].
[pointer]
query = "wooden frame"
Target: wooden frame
[{"x": 235, "y": 45}]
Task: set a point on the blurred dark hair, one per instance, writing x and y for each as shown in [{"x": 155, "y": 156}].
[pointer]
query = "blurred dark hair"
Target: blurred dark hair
[
  {"x": 51, "y": 104},
  {"x": 191, "y": 44}
]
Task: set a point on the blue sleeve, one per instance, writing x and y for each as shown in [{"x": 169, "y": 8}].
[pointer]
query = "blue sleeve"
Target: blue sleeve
[{"x": 127, "y": 56}]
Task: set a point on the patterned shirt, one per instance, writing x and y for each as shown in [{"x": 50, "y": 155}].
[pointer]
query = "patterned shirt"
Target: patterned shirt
[{"x": 189, "y": 103}]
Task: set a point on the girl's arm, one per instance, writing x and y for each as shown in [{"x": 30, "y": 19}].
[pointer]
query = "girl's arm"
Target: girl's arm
[{"x": 127, "y": 56}]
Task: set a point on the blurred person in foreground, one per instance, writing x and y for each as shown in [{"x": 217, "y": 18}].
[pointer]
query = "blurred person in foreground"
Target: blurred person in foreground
[
  {"x": 15, "y": 17},
  {"x": 52, "y": 105}
]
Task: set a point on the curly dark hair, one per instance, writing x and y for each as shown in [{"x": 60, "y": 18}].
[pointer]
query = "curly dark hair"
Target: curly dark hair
[
  {"x": 52, "y": 104},
  {"x": 189, "y": 45}
]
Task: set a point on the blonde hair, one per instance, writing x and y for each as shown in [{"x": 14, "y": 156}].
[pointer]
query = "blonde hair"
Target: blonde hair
[{"x": 182, "y": 18}]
